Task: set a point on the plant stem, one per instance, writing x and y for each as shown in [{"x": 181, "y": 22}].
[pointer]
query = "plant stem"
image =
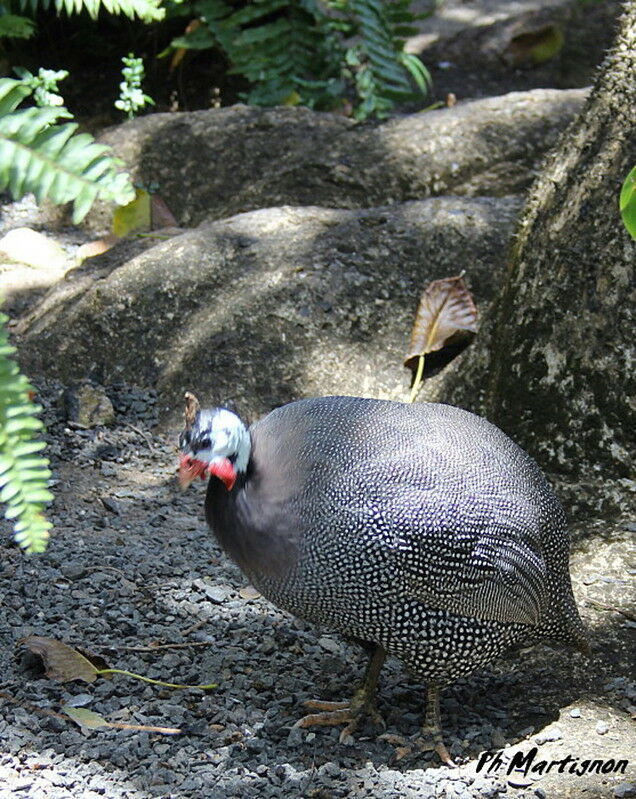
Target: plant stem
[
  {"x": 208, "y": 687},
  {"x": 418, "y": 379}
]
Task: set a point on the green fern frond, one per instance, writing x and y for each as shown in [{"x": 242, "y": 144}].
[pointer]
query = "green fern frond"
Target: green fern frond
[
  {"x": 281, "y": 48},
  {"x": 24, "y": 473},
  {"x": 12, "y": 93},
  {"x": 53, "y": 161},
  {"x": 146, "y": 10},
  {"x": 13, "y": 26},
  {"x": 295, "y": 51}
]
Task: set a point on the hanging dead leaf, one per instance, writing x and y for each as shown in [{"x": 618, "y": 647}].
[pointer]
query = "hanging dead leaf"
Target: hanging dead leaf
[
  {"x": 161, "y": 216},
  {"x": 249, "y": 592},
  {"x": 445, "y": 323},
  {"x": 180, "y": 52},
  {"x": 61, "y": 662},
  {"x": 446, "y": 312}
]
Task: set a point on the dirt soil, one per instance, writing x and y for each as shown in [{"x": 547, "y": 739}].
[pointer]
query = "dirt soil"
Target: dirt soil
[{"x": 134, "y": 576}]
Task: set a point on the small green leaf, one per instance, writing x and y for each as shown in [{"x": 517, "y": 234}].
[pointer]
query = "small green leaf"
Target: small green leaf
[
  {"x": 85, "y": 718},
  {"x": 627, "y": 203},
  {"x": 134, "y": 217}
]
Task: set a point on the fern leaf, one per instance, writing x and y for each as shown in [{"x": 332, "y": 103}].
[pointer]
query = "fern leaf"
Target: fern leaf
[
  {"x": 55, "y": 162},
  {"x": 23, "y": 473},
  {"x": 146, "y": 10},
  {"x": 255, "y": 11},
  {"x": 12, "y": 92},
  {"x": 418, "y": 72}
]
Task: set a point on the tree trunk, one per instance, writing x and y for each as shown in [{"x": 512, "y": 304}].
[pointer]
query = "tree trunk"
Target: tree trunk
[{"x": 554, "y": 363}]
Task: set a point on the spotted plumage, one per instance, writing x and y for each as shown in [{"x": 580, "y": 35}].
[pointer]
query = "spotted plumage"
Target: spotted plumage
[{"x": 420, "y": 528}]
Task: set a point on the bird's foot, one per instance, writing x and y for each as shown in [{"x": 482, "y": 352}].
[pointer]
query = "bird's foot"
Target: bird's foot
[
  {"x": 351, "y": 713},
  {"x": 429, "y": 741}
]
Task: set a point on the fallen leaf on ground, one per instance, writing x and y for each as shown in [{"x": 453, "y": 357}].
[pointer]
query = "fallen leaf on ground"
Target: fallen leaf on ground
[
  {"x": 61, "y": 662},
  {"x": 90, "y": 720},
  {"x": 85, "y": 718},
  {"x": 97, "y": 247}
]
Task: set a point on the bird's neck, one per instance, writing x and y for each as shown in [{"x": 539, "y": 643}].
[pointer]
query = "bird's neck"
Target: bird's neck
[{"x": 243, "y": 452}]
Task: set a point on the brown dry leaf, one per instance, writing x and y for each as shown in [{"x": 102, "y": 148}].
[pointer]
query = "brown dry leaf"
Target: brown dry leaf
[
  {"x": 62, "y": 662},
  {"x": 160, "y": 214},
  {"x": 249, "y": 592},
  {"x": 446, "y": 312},
  {"x": 97, "y": 247},
  {"x": 180, "y": 52}
]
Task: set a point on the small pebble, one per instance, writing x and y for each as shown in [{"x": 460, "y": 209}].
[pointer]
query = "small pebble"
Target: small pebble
[
  {"x": 602, "y": 727},
  {"x": 625, "y": 790},
  {"x": 551, "y": 734},
  {"x": 112, "y": 505},
  {"x": 575, "y": 713},
  {"x": 329, "y": 644},
  {"x": 498, "y": 739}
]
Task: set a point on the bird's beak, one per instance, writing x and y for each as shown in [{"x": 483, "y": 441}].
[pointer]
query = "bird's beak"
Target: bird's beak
[{"x": 189, "y": 470}]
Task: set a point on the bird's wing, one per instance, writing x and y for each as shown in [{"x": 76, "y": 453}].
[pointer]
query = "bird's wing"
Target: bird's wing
[{"x": 467, "y": 546}]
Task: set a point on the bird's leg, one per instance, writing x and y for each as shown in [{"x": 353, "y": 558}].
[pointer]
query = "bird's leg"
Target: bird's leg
[
  {"x": 432, "y": 730},
  {"x": 431, "y": 736},
  {"x": 351, "y": 713}
]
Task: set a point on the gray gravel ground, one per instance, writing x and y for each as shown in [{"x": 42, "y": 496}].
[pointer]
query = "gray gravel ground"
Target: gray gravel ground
[{"x": 132, "y": 566}]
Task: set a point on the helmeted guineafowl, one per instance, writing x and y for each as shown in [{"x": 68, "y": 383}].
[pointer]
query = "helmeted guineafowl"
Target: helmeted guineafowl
[{"x": 421, "y": 529}]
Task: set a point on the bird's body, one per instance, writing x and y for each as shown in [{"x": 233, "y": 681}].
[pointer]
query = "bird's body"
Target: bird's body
[{"x": 420, "y": 528}]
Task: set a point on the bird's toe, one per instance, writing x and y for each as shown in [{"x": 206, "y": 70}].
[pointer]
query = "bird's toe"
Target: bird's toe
[
  {"x": 423, "y": 743},
  {"x": 328, "y": 718}
]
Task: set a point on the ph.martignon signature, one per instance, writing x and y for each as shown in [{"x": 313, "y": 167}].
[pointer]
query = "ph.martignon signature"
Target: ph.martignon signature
[{"x": 527, "y": 763}]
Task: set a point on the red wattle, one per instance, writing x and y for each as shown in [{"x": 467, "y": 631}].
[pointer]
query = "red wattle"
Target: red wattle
[{"x": 224, "y": 470}]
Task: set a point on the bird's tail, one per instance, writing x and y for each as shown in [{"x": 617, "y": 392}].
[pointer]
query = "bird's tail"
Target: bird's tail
[{"x": 563, "y": 623}]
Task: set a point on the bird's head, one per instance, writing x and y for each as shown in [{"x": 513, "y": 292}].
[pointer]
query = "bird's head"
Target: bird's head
[{"x": 215, "y": 442}]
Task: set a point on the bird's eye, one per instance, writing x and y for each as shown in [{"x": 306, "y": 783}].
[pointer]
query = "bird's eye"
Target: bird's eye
[
  {"x": 204, "y": 443},
  {"x": 184, "y": 440}
]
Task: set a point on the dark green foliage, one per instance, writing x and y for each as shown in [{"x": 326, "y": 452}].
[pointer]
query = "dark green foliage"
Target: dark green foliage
[
  {"x": 301, "y": 52},
  {"x": 13, "y": 26}
]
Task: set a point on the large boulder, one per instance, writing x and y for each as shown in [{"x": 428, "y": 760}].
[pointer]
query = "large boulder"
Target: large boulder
[
  {"x": 213, "y": 164},
  {"x": 271, "y": 305}
]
